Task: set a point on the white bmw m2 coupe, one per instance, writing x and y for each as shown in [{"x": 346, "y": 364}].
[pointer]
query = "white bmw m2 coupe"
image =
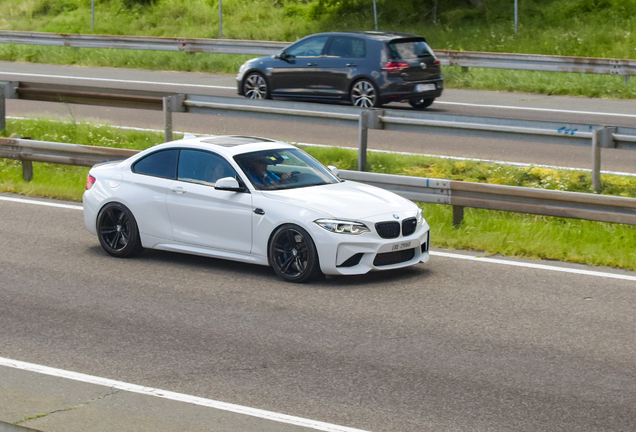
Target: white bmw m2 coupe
[{"x": 254, "y": 200}]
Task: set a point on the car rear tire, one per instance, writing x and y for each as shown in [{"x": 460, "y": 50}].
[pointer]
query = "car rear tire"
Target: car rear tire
[
  {"x": 293, "y": 255},
  {"x": 255, "y": 86},
  {"x": 117, "y": 231},
  {"x": 364, "y": 94},
  {"x": 421, "y": 103}
]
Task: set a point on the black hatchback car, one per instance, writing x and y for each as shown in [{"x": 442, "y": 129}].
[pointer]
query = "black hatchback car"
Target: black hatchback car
[{"x": 366, "y": 68}]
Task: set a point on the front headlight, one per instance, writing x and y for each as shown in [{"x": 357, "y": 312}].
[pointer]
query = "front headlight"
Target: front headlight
[
  {"x": 420, "y": 217},
  {"x": 342, "y": 227},
  {"x": 241, "y": 71}
]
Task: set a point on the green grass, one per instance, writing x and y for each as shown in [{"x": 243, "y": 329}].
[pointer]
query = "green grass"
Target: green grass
[
  {"x": 535, "y": 237},
  {"x": 588, "y": 28},
  {"x": 492, "y": 232}
]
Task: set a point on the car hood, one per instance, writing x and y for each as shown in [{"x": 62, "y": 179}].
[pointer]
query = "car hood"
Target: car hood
[{"x": 346, "y": 200}]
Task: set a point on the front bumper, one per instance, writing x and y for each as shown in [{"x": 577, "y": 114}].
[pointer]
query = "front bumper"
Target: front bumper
[{"x": 362, "y": 254}]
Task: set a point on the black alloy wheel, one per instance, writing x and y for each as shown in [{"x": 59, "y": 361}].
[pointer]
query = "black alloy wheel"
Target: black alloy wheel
[
  {"x": 117, "y": 231},
  {"x": 292, "y": 254},
  {"x": 364, "y": 94},
  {"x": 421, "y": 103},
  {"x": 255, "y": 86}
]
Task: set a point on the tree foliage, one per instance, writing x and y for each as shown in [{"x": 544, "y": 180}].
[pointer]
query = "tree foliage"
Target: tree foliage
[{"x": 413, "y": 11}]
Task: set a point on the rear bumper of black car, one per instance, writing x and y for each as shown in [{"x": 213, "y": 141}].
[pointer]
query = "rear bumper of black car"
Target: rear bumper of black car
[{"x": 398, "y": 90}]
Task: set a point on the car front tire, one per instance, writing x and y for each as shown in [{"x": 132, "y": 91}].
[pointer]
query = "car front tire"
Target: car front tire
[
  {"x": 293, "y": 255},
  {"x": 255, "y": 86},
  {"x": 117, "y": 231},
  {"x": 364, "y": 94}
]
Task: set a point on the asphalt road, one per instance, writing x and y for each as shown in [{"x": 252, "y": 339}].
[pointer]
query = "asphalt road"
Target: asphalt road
[
  {"x": 452, "y": 345},
  {"x": 478, "y": 103}
]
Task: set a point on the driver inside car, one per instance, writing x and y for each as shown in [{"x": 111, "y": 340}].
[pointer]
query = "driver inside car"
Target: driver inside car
[{"x": 260, "y": 175}]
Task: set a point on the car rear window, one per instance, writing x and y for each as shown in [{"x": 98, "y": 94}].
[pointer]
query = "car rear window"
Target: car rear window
[
  {"x": 162, "y": 163},
  {"x": 403, "y": 49}
]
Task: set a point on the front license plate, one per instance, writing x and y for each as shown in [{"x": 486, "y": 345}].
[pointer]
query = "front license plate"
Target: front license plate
[
  {"x": 400, "y": 246},
  {"x": 424, "y": 87}
]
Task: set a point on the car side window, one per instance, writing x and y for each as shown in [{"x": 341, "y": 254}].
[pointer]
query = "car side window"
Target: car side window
[
  {"x": 346, "y": 47},
  {"x": 310, "y": 48},
  {"x": 202, "y": 167},
  {"x": 162, "y": 163}
]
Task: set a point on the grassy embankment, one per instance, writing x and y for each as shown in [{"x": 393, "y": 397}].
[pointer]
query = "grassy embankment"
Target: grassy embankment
[
  {"x": 588, "y": 28},
  {"x": 490, "y": 231}
]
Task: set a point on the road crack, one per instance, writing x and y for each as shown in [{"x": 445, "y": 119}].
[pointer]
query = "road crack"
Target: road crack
[{"x": 39, "y": 416}]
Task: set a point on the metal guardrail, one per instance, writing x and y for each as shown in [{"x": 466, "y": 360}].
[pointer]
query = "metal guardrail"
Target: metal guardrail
[
  {"x": 596, "y": 136},
  {"x": 440, "y": 191},
  {"x": 29, "y": 151},
  {"x": 517, "y": 199},
  {"x": 464, "y": 59},
  {"x": 226, "y": 46},
  {"x": 537, "y": 62}
]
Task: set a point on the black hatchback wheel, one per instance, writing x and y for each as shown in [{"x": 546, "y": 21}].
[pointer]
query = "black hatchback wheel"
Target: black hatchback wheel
[
  {"x": 364, "y": 94},
  {"x": 117, "y": 231},
  {"x": 255, "y": 87},
  {"x": 292, "y": 254},
  {"x": 421, "y": 103}
]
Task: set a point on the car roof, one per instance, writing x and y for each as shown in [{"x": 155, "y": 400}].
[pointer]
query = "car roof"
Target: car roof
[
  {"x": 375, "y": 35},
  {"x": 229, "y": 145}
]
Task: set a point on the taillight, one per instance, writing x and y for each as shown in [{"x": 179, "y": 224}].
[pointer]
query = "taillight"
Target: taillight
[
  {"x": 394, "y": 66},
  {"x": 90, "y": 181},
  {"x": 436, "y": 62}
]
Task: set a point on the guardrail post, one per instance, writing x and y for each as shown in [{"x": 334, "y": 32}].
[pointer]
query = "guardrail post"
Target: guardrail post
[
  {"x": 27, "y": 170},
  {"x": 363, "y": 133},
  {"x": 3, "y": 112},
  {"x": 173, "y": 103},
  {"x": 600, "y": 138},
  {"x": 458, "y": 215},
  {"x": 167, "y": 118}
]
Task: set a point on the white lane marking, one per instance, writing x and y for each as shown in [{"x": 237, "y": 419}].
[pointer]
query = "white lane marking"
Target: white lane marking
[
  {"x": 179, "y": 397},
  {"x": 116, "y": 80},
  {"x": 537, "y": 109},
  {"x": 533, "y": 266},
  {"x": 42, "y": 203},
  {"x": 75, "y": 78},
  {"x": 433, "y": 253}
]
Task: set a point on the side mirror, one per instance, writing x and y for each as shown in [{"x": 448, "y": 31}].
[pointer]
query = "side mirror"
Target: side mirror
[
  {"x": 334, "y": 170},
  {"x": 283, "y": 56},
  {"x": 228, "y": 184}
]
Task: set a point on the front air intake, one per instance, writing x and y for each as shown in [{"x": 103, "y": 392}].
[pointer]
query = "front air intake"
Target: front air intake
[{"x": 389, "y": 258}]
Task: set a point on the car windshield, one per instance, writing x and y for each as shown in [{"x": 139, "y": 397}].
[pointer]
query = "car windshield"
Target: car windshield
[
  {"x": 409, "y": 49},
  {"x": 283, "y": 169}
]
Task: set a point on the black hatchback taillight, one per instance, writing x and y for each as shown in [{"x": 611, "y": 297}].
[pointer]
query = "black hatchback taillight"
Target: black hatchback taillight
[{"x": 394, "y": 66}]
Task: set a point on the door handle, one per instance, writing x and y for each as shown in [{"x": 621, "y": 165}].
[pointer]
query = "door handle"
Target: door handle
[
  {"x": 178, "y": 189},
  {"x": 351, "y": 65},
  {"x": 312, "y": 64}
]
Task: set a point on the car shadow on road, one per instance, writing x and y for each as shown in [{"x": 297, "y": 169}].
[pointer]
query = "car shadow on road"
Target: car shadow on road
[
  {"x": 386, "y": 277},
  {"x": 165, "y": 258}
]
